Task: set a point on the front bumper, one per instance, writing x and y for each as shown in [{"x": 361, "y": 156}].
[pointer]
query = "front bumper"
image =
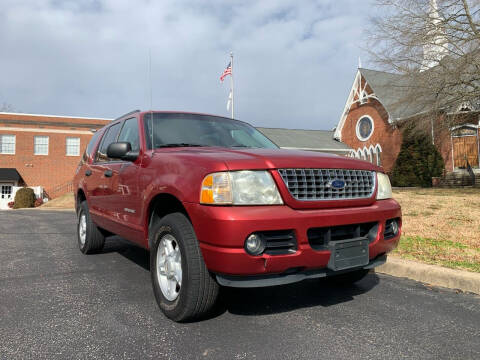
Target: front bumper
[
  {"x": 282, "y": 279},
  {"x": 222, "y": 230}
]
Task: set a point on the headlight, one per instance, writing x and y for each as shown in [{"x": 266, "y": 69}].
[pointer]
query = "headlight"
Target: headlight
[
  {"x": 384, "y": 187},
  {"x": 240, "y": 188}
]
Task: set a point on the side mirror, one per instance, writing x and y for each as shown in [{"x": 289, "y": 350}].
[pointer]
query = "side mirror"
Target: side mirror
[{"x": 121, "y": 150}]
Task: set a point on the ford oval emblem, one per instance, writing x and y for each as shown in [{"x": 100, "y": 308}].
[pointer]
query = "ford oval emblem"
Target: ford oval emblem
[{"x": 337, "y": 184}]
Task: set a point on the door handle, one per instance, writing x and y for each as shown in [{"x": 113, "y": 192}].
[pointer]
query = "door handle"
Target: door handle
[
  {"x": 108, "y": 173},
  {"x": 88, "y": 172}
]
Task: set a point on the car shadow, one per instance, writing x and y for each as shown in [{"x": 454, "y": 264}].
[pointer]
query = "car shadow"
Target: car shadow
[
  {"x": 136, "y": 254},
  {"x": 262, "y": 301},
  {"x": 304, "y": 294}
]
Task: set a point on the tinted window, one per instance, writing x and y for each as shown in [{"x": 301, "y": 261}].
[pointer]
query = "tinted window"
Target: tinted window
[
  {"x": 129, "y": 133},
  {"x": 109, "y": 137},
  {"x": 201, "y": 130},
  {"x": 91, "y": 145}
]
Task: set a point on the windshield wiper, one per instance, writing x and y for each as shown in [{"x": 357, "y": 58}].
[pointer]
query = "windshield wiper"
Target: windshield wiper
[{"x": 178, "y": 145}]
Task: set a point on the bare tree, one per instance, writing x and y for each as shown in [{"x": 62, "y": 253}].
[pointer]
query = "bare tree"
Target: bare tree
[
  {"x": 5, "y": 107},
  {"x": 435, "y": 44}
]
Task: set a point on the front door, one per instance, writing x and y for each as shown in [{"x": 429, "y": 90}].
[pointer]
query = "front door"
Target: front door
[
  {"x": 465, "y": 148},
  {"x": 122, "y": 196},
  {"x": 5, "y": 195}
]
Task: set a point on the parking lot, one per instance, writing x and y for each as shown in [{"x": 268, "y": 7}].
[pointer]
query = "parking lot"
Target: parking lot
[{"x": 57, "y": 303}]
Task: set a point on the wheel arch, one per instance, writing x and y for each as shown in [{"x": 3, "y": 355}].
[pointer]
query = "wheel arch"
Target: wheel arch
[{"x": 160, "y": 205}]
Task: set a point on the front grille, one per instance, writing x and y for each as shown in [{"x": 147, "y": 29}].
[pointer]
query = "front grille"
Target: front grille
[
  {"x": 316, "y": 184},
  {"x": 319, "y": 238},
  {"x": 279, "y": 242}
]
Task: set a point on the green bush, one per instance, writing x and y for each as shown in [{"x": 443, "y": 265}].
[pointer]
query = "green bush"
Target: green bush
[
  {"x": 418, "y": 160},
  {"x": 24, "y": 198}
]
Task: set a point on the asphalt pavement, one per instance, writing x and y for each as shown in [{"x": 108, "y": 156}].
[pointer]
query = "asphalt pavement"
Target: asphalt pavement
[{"x": 56, "y": 303}]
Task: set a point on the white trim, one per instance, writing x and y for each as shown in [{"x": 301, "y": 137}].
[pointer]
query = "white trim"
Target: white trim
[
  {"x": 55, "y": 131},
  {"x": 314, "y": 149},
  {"x": 359, "y": 137},
  {"x": 346, "y": 109},
  {"x": 378, "y": 152},
  {"x": 55, "y": 116},
  {"x": 465, "y": 125}
]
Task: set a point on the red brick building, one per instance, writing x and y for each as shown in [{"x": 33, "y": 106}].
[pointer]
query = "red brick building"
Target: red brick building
[
  {"x": 374, "y": 113},
  {"x": 42, "y": 150}
]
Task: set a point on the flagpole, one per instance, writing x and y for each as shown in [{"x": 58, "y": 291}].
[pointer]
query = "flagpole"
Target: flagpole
[{"x": 231, "y": 80}]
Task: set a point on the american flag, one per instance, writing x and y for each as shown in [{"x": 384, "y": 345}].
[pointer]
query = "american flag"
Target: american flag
[{"x": 227, "y": 71}]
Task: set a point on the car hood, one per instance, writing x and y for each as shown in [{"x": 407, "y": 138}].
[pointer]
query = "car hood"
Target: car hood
[{"x": 251, "y": 159}]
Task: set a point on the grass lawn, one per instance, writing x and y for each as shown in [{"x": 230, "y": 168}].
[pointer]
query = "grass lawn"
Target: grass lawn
[{"x": 441, "y": 226}]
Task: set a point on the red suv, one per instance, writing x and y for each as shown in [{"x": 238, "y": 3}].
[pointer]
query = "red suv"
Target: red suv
[{"x": 218, "y": 204}]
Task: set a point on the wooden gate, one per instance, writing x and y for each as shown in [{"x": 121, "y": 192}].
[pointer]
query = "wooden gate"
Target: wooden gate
[{"x": 465, "y": 147}]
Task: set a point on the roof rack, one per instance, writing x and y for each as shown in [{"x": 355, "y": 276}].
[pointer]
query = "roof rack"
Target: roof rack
[{"x": 129, "y": 113}]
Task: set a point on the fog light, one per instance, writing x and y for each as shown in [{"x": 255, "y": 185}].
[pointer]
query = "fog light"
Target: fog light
[
  {"x": 254, "y": 245},
  {"x": 394, "y": 225}
]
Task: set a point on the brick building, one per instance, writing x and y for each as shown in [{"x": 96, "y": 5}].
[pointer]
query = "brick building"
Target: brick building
[
  {"x": 42, "y": 150},
  {"x": 374, "y": 113},
  {"x": 379, "y": 104}
]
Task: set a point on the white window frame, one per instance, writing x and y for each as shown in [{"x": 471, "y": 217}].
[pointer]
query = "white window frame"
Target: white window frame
[
  {"x": 378, "y": 158},
  {"x": 357, "y": 128},
  {"x": 14, "y": 144},
  {"x": 35, "y": 152},
  {"x": 67, "y": 146}
]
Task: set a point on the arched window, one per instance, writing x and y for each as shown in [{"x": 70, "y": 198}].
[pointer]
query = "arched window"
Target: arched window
[
  {"x": 359, "y": 154},
  {"x": 365, "y": 154},
  {"x": 371, "y": 154},
  {"x": 378, "y": 151}
]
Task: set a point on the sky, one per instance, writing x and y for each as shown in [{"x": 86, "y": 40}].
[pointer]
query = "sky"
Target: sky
[{"x": 294, "y": 61}]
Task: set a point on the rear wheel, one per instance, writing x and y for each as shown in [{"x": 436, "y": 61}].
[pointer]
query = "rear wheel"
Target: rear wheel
[
  {"x": 183, "y": 286},
  {"x": 90, "y": 238},
  {"x": 348, "y": 278}
]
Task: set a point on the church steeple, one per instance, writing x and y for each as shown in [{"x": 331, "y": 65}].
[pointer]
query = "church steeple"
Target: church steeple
[{"x": 435, "y": 44}]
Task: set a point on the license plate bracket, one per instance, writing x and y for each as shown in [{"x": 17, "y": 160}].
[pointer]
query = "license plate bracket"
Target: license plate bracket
[{"x": 347, "y": 254}]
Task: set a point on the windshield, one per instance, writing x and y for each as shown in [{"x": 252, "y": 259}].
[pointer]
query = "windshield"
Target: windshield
[{"x": 176, "y": 129}]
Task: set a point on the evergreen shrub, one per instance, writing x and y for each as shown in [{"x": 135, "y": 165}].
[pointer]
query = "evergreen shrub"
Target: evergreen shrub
[
  {"x": 418, "y": 160},
  {"x": 24, "y": 198}
]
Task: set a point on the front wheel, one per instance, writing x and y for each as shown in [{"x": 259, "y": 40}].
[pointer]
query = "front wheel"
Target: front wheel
[
  {"x": 90, "y": 238},
  {"x": 183, "y": 286}
]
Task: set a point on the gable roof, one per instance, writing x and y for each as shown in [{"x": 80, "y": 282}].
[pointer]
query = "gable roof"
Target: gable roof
[
  {"x": 319, "y": 140},
  {"x": 391, "y": 90}
]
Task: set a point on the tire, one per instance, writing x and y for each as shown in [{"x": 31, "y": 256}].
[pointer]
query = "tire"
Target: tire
[
  {"x": 191, "y": 293},
  {"x": 348, "y": 278},
  {"x": 90, "y": 238}
]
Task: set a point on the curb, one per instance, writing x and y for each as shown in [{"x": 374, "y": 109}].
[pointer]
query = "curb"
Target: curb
[{"x": 432, "y": 274}]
